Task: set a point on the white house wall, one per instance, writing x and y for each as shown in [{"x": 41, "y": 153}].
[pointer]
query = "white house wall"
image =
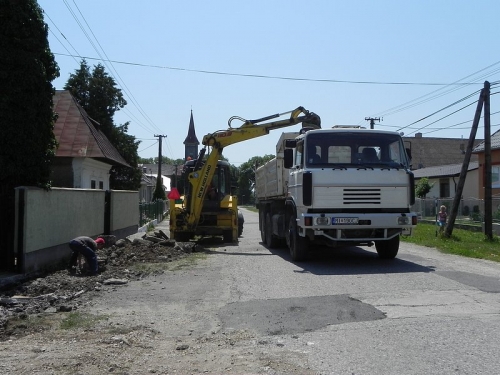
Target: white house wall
[
  {"x": 470, "y": 190},
  {"x": 85, "y": 170}
]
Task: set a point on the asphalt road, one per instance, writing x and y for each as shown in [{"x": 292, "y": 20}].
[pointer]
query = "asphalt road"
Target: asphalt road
[{"x": 344, "y": 312}]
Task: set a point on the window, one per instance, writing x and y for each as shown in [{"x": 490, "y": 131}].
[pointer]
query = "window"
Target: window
[
  {"x": 339, "y": 154},
  {"x": 298, "y": 153},
  {"x": 495, "y": 177},
  {"x": 92, "y": 184},
  {"x": 352, "y": 149},
  {"x": 444, "y": 188},
  {"x": 101, "y": 185}
]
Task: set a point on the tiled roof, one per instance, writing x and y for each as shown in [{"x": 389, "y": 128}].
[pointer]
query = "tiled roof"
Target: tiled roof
[
  {"x": 443, "y": 170},
  {"x": 495, "y": 143},
  {"x": 77, "y": 135}
]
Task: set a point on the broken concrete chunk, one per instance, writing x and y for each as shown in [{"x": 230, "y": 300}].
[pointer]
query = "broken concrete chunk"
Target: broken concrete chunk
[
  {"x": 163, "y": 234},
  {"x": 138, "y": 242},
  {"x": 168, "y": 243},
  {"x": 121, "y": 243},
  {"x": 153, "y": 239}
]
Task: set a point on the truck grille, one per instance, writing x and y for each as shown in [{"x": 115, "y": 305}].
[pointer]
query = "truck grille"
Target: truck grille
[{"x": 361, "y": 196}]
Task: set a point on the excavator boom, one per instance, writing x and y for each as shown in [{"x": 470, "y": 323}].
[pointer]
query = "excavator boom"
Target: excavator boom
[
  {"x": 203, "y": 173},
  {"x": 250, "y": 129}
]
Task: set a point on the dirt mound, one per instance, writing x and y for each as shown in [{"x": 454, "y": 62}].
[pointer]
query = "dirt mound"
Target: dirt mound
[{"x": 66, "y": 290}]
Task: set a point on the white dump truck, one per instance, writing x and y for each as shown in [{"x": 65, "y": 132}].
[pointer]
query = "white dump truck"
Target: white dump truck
[{"x": 343, "y": 186}]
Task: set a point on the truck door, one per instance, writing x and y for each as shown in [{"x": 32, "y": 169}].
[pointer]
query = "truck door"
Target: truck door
[{"x": 296, "y": 173}]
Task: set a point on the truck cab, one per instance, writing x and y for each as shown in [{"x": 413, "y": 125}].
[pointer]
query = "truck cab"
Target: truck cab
[{"x": 345, "y": 186}]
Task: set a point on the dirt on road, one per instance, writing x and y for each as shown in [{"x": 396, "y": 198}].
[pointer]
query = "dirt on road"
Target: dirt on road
[
  {"x": 46, "y": 326},
  {"x": 65, "y": 291}
]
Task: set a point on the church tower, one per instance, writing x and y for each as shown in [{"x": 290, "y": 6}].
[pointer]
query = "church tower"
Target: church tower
[{"x": 191, "y": 142}]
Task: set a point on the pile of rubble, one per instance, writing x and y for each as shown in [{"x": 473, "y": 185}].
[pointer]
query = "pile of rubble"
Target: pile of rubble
[{"x": 62, "y": 291}]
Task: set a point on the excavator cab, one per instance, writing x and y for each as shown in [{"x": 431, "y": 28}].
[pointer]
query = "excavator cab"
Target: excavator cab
[
  {"x": 217, "y": 189},
  {"x": 219, "y": 211}
]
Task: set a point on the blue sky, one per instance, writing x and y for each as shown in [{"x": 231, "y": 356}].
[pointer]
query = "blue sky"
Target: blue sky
[{"x": 344, "y": 60}]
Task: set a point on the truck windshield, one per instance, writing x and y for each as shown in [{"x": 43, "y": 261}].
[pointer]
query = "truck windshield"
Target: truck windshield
[{"x": 354, "y": 149}]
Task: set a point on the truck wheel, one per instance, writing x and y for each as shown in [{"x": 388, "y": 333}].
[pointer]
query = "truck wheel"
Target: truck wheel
[
  {"x": 271, "y": 240},
  {"x": 262, "y": 226},
  {"x": 299, "y": 246},
  {"x": 387, "y": 249}
]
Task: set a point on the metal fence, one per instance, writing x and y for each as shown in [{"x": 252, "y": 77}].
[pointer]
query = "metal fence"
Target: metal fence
[
  {"x": 156, "y": 210},
  {"x": 469, "y": 210}
]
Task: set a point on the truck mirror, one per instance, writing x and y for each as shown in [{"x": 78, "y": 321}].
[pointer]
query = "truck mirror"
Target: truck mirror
[
  {"x": 288, "y": 159},
  {"x": 290, "y": 143}
]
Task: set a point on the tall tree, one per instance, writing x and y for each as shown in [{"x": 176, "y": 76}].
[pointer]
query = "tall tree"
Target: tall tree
[
  {"x": 27, "y": 144},
  {"x": 97, "y": 93},
  {"x": 104, "y": 99},
  {"x": 78, "y": 84},
  {"x": 246, "y": 177}
]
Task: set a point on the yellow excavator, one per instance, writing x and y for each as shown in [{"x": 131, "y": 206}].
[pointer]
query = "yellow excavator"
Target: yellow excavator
[{"x": 208, "y": 207}]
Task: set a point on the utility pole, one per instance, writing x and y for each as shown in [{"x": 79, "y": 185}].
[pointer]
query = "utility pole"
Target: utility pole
[
  {"x": 372, "y": 121},
  {"x": 159, "y": 153},
  {"x": 465, "y": 166},
  {"x": 159, "y": 181},
  {"x": 488, "y": 216}
]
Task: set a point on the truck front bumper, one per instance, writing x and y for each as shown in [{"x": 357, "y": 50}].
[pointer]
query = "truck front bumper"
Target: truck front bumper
[{"x": 358, "y": 227}]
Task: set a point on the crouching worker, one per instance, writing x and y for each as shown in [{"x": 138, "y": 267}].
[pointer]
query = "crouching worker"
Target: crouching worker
[{"x": 87, "y": 247}]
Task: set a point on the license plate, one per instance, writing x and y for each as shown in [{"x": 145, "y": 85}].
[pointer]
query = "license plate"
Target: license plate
[{"x": 344, "y": 220}]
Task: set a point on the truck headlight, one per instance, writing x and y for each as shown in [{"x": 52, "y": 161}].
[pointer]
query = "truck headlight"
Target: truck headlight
[
  {"x": 403, "y": 220},
  {"x": 322, "y": 220}
]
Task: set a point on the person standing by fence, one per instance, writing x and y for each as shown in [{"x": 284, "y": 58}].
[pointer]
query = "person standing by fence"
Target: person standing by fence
[{"x": 442, "y": 217}]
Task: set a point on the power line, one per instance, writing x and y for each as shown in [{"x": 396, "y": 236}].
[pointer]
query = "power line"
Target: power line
[
  {"x": 144, "y": 149},
  {"x": 417, "y": 101},
  {"x": 448, "y": 115},
  {"x": 55, "y": 36},
  {"x": 125, "y": 87},
  {"x": 276, "y": 77},
  {"x": 440, "y": 110}
]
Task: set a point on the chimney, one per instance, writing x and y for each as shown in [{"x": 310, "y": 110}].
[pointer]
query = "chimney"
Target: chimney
[{"x": 418, "y": 135}]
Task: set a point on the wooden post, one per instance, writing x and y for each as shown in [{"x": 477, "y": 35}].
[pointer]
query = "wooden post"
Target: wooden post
[
  {"x": 465, "y": 166},
  {"x": 488, "y": 217}
]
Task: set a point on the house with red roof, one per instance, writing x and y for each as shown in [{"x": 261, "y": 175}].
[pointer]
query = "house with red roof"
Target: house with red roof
[{"x": 84, "y": 155}]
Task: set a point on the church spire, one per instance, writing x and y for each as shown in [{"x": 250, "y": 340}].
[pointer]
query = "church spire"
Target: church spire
[{"x": 191, "y": 142}]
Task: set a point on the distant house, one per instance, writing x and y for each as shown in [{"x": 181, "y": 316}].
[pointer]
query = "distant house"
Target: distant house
[
  {"x": 432, "y": 152},
  {"x": 495, "y": 165},
  {"x": 84, "y": 155},
  {"x": 150, "y": 175},
  {"x": 147, "y": 188},
  {"x": 444, "y": 179}
]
